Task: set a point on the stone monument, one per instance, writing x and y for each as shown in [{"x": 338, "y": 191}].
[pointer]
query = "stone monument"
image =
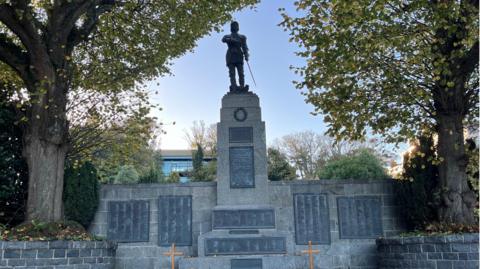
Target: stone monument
[
  {"x": 244, "y": 226},
  {"x": 243, "y": 220}
]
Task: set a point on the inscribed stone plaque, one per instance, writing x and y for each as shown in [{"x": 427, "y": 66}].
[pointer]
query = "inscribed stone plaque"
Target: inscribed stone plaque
[
  {"x": 245, "y": 246},
  {"x": 242, "y": 174},
  {"x": 240, "y": 134},
  {"x": 175, "y": 220},
  {"x": 360, "y": 217},
  {"x": 312, "y": 221},
  {"x": 128, "y": 221},
  {"x": 244, "y": 219},
  {"x": 246, "y": 264}
]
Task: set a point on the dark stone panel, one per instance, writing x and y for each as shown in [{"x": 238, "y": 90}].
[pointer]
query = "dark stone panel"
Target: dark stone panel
[
  {"x": 175, "y": 220},
  {"x": 240, "y": 134},
  {"x": 128, "y": 221},
  {"x": 245, "y": 246},
  {"x": 244, "y": 219},
  {"x": 312, "y": 220},
  {"x": 246, "y": 264},
  {"x": 360, "y": 217},
  {"x": 242, "y": 172}
]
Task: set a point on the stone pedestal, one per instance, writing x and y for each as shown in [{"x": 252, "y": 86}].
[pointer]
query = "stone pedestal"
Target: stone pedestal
[
  {"x": 244, "y": 230},
  {"x": 242, "y": 157}
]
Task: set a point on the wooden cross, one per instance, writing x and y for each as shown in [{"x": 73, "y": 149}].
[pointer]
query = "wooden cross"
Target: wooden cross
[
  {"x": 310, "y": 253},
  {"x": 172, "y": 255}
]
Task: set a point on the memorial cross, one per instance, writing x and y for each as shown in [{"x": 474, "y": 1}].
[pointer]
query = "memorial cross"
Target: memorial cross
[
  {"x": 310, "y": 253},
  {"x": 172, "y": 255}
]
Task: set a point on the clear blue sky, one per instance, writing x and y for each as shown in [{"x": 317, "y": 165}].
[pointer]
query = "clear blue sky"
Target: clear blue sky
[{"x": 200, "y": 79}]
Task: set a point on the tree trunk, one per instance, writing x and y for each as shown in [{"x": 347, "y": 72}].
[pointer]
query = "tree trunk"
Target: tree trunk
[
  {"x": 457, "y": 198},
  {"x": 45, "y": 180},
  {"x": 45, "y": 149}
]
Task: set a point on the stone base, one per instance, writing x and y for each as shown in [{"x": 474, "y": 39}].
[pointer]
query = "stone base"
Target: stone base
[
  {"x": 268, "y": 262},
  {"x": 251, "y": 242}
]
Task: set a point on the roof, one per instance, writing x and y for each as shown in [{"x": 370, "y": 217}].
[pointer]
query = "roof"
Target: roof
[{"x": 178, "y": 153}]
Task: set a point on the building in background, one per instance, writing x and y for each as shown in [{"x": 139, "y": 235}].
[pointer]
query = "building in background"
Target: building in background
[{"x": 180, "y": 161}]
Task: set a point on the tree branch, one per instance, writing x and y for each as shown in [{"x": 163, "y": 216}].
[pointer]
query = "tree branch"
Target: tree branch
[
  {"x": 470, "y": 61},
  {"x": 23, "y": 27},
  {"x": 13, "y": 55},
  {"x": 80, "y": 34}
]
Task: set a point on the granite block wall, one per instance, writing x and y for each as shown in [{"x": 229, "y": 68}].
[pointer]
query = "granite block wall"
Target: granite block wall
[
  {"x": 57, "y": 254},
  {"x": 148, "y": 253},
  {"x": 337, "y": 252},
  {"x": 437, "y": 252},
  {"x": 340, "y": 252}
]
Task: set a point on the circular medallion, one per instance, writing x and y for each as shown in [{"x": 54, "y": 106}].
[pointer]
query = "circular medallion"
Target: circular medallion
[{"x": 240, "y": 114}]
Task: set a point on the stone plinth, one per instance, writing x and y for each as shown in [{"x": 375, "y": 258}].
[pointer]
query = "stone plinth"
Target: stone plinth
[
  {"x": 242, "y": 157},
  {"x": 267, "y": 262}
]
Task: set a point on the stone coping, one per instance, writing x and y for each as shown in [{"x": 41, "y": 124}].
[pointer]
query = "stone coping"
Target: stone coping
[
  {"x": 56, "y": 244},
  {"x": 160, "y": 185},
  {"x": 274, "y": 183},
  {"x": 330, "y": 181},
  {"x": 437, "y": 239}
]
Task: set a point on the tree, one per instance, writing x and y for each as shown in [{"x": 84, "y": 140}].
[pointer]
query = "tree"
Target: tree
[
  {"x": 197, "y": 162},
  {"x": 127, "y": 174},
  {"x": 309, "y": 151},
  {"x": 155, "y": 174},
  {"x": 112, "y": 142},
  {"x": 49, "y": 48},
  {"x": 81, "y": 193},
  {"x": 278, "y": 166},
  {"x": 99, "y": 122},
  {"x": 396, "y": 68},
  {"x": 206, "y": 137},
  {"x": 415, "y": 191},
  {"x": 361, "y": 164}
]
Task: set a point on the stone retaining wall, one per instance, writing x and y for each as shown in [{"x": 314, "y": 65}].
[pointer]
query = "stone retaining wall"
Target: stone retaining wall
[
  {"x": 338, "y": 252},
  {"x": 57, "y": 254},
  {"x": 435, "y": 252}
]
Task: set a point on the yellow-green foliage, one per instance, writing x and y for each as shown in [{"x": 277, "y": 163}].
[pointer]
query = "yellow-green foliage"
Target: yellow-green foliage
[
  {"x": 387, "y": 65},
  {"x": 174, "y": 177}
]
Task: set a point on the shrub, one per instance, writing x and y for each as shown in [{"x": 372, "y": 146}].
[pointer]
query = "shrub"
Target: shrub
[
  {"x": 154, "y": 175},
  {"x": 361, "y": 164},
  {"x": 278, "y": 166},
  {"x": 13, "y": 168},
  {"x": 81, "y": 193},
  {"x": 207, "y": 172},
  {"x": 417, "y": 190},
  {"x": 174, "y": 177},
  {"x": 127, "y": 174}
]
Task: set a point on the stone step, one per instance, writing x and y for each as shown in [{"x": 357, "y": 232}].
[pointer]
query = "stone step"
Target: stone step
[
  {"x": 224, "y": 243},
  {"x": 243, "y": 217},
  {"x": 245, "y": 262}
]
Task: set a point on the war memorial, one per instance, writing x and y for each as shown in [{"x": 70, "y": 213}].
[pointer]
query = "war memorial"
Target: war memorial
[{"x": 243, "y": 220}]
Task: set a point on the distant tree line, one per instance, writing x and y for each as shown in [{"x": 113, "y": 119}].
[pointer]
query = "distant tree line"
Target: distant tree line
[{"x": 309, "y": 155}]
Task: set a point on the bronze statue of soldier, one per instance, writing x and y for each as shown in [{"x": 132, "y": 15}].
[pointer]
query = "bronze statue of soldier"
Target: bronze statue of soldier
[{"x": 237, "y": 51}]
